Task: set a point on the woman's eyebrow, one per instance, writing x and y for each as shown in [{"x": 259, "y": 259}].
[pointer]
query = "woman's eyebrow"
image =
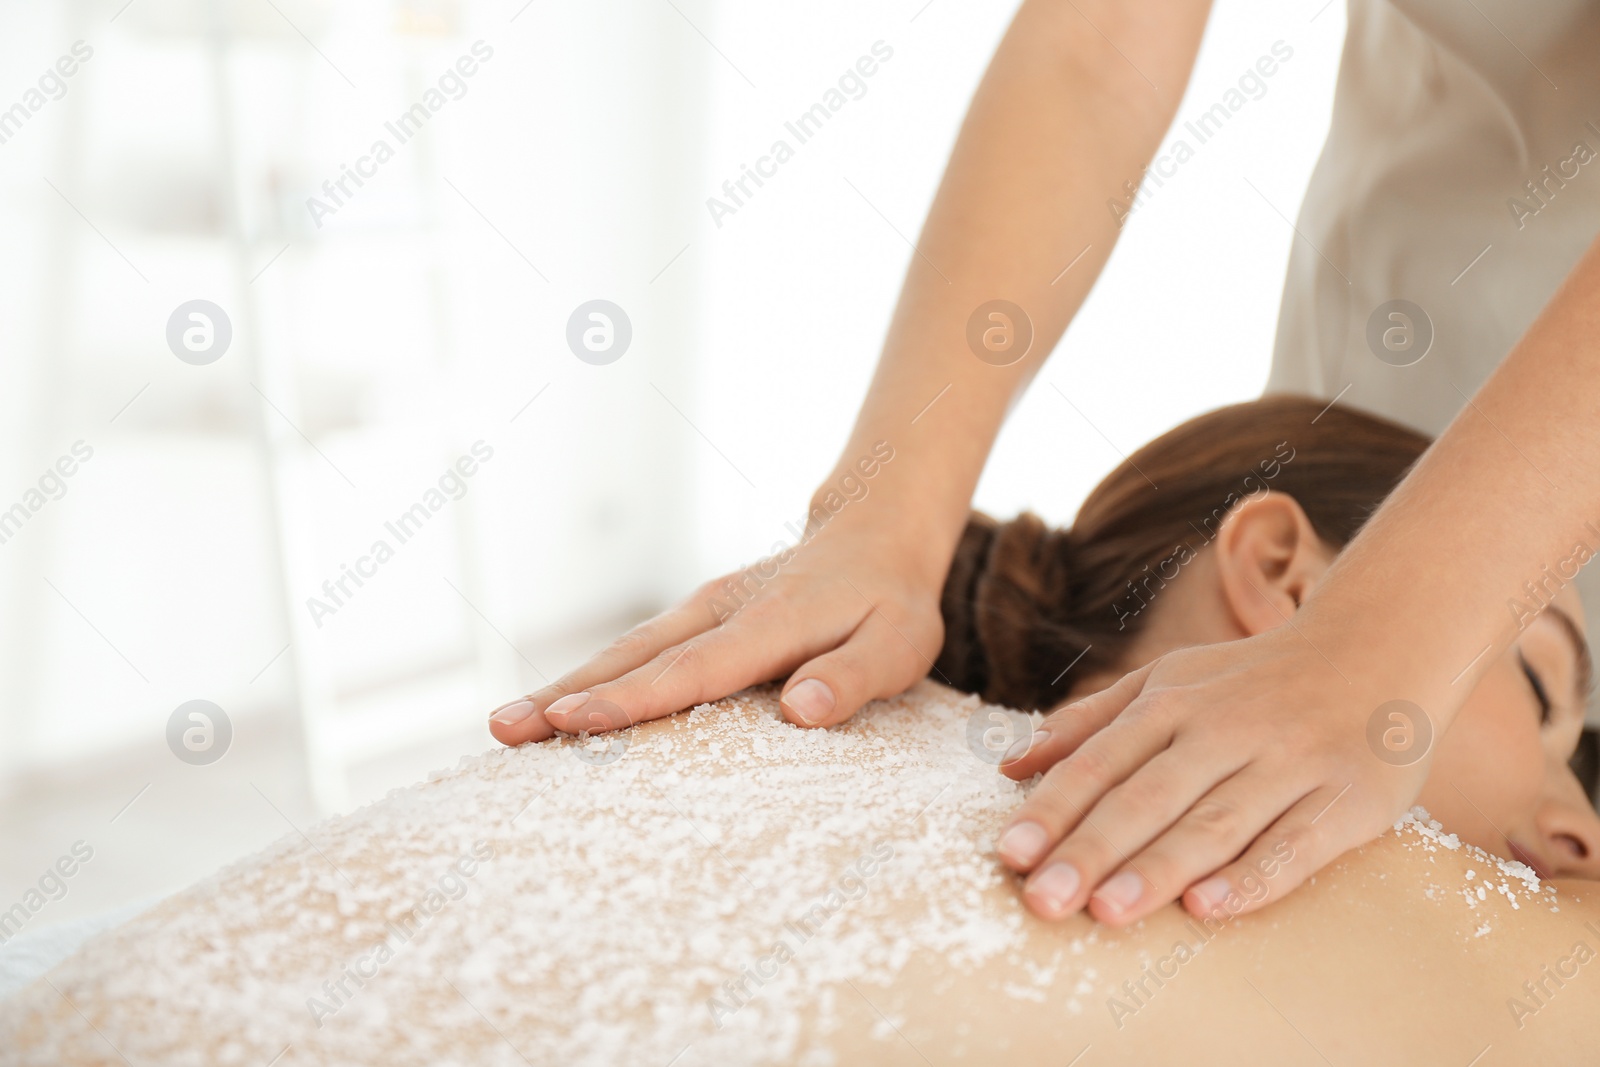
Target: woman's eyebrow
[{"x": 1580, "y": 647}]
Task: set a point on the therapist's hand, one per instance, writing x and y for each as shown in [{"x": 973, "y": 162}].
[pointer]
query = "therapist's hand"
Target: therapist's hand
[
  {"x": 1255, "y": 749},
  {"x": 849, "y": 616}
]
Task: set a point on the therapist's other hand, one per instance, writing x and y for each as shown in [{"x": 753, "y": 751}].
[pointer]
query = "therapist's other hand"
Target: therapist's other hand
[
  {"x": 1206, "y": 767},
  {"x": 849, "y": 615}
]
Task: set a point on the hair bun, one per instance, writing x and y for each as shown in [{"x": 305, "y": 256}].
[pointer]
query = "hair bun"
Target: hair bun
[{"x": 1003, "y": 604}]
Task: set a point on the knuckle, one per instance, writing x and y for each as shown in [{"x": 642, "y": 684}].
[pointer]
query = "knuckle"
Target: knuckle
[
  {"x": 1215, "y": 819},
  {"x": 776, "y": 601},
  {"x": 1065, "y": 711},
  {"x": 1280, "y": 851},
  {"x": 1283, "y": 846},
  {"x": 1155, "y": 705},
  {"x": 631, "y": 643},
  {"x": 744, "y": 584},
  {"x": 923, "y": 629},
  {"x": 902, "y": 660},
  {"x": 750, "y": 590},
  {"x": 1087, "y": 766},
  {"x": 1143, "y": 793},
  {"x": 1310, "y": 748},
  {"x": 561, "y": 687},
  {"x": 688, "y": 657},
  {"x": 845, "y": 675},
  {"x": 900, "y": 676},
  {"x": 893, "y": 677},
  {"x": 1069, "y": 724},
  {"x": 729, "y": 593},
  {"x": 709, "y": 589}
]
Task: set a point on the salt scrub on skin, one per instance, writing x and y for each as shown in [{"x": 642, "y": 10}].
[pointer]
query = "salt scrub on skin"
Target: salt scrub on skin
[
  {"x": 641, "y": 902},
  {"x": 1518, "y": 883},
  {"x": 633, "y": 909}
]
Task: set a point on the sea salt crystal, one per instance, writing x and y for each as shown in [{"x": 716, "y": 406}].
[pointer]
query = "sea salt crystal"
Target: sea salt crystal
[
  {"x": 1416, "y": 826},
  {"x": 620, "y": 898}
]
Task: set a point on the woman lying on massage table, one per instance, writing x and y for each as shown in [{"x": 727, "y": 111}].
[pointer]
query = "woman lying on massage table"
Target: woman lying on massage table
[{"x": 722, "y": 887}]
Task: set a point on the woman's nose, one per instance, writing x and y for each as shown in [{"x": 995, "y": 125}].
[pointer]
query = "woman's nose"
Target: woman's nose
[{"x": 1571, "y": 831}]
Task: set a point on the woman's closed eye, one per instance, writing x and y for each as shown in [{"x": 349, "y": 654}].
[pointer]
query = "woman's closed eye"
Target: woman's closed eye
[
  {"x": 1540, "y": 693},
  {"x": 1554, "y": 658}
]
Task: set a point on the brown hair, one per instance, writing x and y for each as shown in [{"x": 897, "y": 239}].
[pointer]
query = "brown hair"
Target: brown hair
[{"x": 1024, "y": 601}]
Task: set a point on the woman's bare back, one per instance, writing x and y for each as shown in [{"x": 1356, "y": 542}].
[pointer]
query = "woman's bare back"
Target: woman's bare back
[{"x": 721, "y": 887}]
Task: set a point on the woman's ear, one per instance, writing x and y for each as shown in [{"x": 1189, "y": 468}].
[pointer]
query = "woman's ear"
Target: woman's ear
[{"x": 1268, "y": 560}]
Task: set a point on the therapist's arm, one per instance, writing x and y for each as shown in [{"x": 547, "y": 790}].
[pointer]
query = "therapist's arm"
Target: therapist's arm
[
  {"x": 1073, "y": 105},
  {"x": 1264, "y": 740}
]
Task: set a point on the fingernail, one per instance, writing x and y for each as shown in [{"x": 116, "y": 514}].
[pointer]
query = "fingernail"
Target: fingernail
[
  {"x": 811, "y": 701},
  {"x": 569, "y": 703},
  {"x": 1054, "y": 886},
  {"x": 512, "y": 712},
  {"x": 1120, "y": 892},
  {"x": 1024, "y": 746},
  {"x": 1211, "y": 892},
  {"x": 1020, "y": 846}
]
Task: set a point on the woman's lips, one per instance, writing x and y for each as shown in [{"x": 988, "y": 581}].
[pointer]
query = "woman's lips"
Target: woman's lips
[{"x": 1522, "y": 855}]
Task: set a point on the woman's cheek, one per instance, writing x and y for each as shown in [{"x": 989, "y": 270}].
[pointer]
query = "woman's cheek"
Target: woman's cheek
[{"x": 1488, "y": 767}]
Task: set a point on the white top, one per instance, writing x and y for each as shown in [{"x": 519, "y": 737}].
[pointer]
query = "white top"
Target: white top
[{"x": 1462, "y": 175}]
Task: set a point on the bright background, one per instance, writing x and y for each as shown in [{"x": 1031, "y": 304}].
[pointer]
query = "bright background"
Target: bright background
[{"x": 429, "y": 313}]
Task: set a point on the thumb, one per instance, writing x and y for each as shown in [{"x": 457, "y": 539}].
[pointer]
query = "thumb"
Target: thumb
[
  {"x": 1070, "y": 725},
  {"x": 878, "y": 660}
]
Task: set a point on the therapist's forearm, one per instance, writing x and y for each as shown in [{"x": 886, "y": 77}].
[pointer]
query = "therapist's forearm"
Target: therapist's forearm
[
  {"x": 1066, "y": 114},
  {"x": 1506, "y": 491}
]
